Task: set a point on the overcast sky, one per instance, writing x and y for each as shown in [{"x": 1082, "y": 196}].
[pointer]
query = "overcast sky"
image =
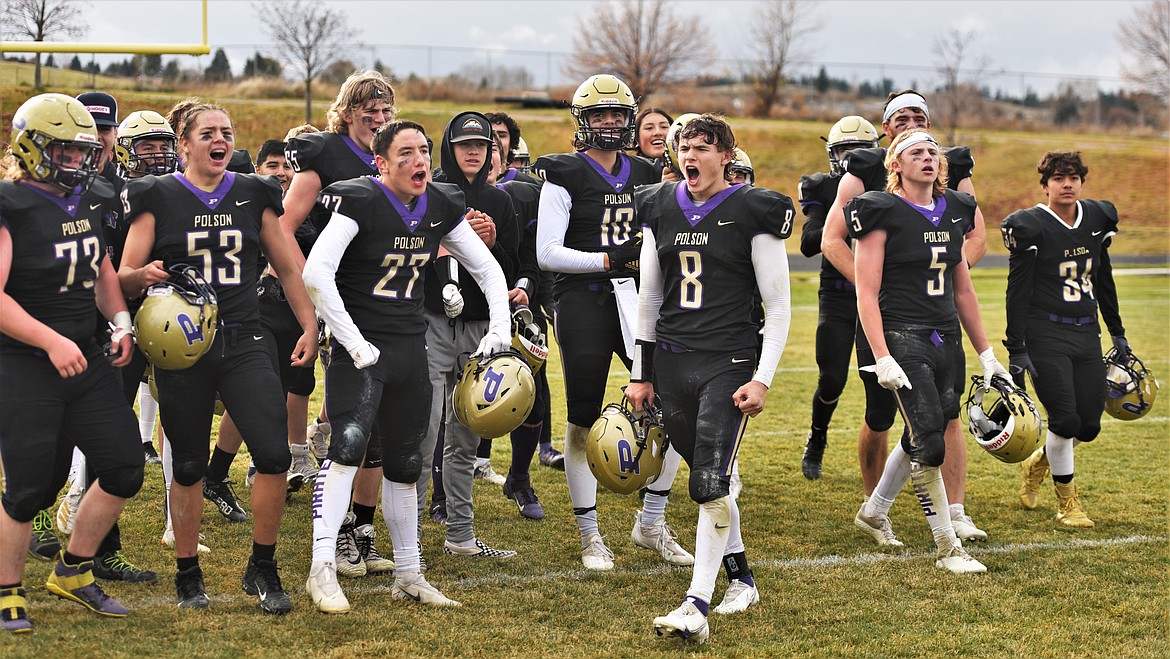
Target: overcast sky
[{"x": 1038, "y": 43}]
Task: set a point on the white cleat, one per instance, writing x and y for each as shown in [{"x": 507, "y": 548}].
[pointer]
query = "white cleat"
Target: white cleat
[
  {"x": 966, "y": 529},
  {"x": 878, "y": 527},
  {"x": 302, "y": 464},
  {"x": 67, "y": 510},
  {"x": 317, "y": 435},
  {"x": 414, "y": 588},
  {"x": 660, "y": 538},
  {"x": 349, "y": 557},
  {"x": 956, "y": 560},
  {"x": 739, "y": 597},
  {"x": 596, "y": 556},
  {"x": 168, "y": 540},
  {"x": 484, "y": 472},
  {"x": 685, "y": 622},
  {"x": 324, "y": 590}
]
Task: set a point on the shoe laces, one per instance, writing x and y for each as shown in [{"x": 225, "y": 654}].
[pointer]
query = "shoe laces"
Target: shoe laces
[
  {"x": 268, "y": 573},
  {"x": 116, "y": 562},
  {"x": 190, "y": 583},
  {"x": 42, "y": 524},
  {"x": 597, "y": 547},
  {"x": 347, "y": 542},
  {"x": 525, "y": 496},
  {"x": 365, "y": 546}
]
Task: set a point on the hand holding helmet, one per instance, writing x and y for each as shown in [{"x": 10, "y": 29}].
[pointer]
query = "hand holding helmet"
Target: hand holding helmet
[{"x": 992, "y": 368}]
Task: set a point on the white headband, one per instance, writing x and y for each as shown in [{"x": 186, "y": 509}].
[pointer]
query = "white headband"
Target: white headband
[
  {"x": 905, "y": 101},
  {"x": 916, "y": 138}
]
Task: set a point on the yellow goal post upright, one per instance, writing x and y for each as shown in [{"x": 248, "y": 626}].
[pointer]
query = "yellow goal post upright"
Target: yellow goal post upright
[{"x": 111, "y": 48}]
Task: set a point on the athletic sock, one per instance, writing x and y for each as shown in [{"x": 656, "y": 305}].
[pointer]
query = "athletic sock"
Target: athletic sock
[
  {"x": 894, "y": 477},
  {"x": 217, "y": 468},
  {"x": 400, "y": 512},
  {"x": 363, "y": 515},
  {"x": 263, "y": 552}
]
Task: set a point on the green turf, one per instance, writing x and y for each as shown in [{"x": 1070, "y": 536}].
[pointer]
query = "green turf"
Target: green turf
[{"x": 826, "y": 589}]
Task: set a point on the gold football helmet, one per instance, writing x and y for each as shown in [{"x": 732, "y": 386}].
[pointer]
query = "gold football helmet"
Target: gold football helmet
[
  {"x": 146, "y": 125},
  {"x": 604, "y": 92},
  {"x": 852, "y": 132},
  {"x": 1130, "y": 387},
  {"x": 1004, "y": 420},
  {"x": 527, "y": 339},
  {"x": 672, "y": 139},
  {"x": 625, "y": 449},
  {"x": 494, "y": 394},
  {"x": 44, "y": 125},
  {"x": 177, "y": 321},
  {"x": 521, "y": 155},
  {"x": 742, "y": 164}
]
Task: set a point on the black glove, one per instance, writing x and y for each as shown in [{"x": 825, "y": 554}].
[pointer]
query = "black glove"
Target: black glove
[
  {"x": 1018, "y": 363},
  {"x": 1121, "y": 345},
  {"x": 624, "y": 259}
]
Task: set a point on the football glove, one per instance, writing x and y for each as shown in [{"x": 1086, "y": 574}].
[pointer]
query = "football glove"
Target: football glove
[
  {"x": 492, "y": 343},
  {"x": 1121, "y": 345},
  {"x": 1020, "y": 363},
  {"x": 890, "y": 375},
  {"x": 452, "y": 300},
  {"x": 625, "y": 257},
  {"x": 365, "y": 356},
  {"x": 992, "y": 368}
]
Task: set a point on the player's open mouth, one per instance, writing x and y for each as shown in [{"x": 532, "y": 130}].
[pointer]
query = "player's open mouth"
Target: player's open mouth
[
  {"x": 419, "y": 178},
  {"x": 657, "y": 142},
  {"x": 218, "y": 155},
  {"x": 692, "y": 174}
]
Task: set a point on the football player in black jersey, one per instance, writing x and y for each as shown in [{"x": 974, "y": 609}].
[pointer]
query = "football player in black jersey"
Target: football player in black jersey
[
  {"x": 60, "y": 389},
  {"x": 913, "y": 291},
  {"x": 865, "y": 171},
  {"x": 707, "y": 246},
  {"x": 837, "y": 304},
  {"x": 218, "y": 222},
  {"x": 458, "y": 314},
  {"x": 364, "y": 273},
  {"x": 588, "y": 235},
  {"x": 364, "y": 103},
  {"x": 1059, "y": 274}
]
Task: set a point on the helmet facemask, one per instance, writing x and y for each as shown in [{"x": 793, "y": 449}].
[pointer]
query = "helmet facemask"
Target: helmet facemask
[{"x": 70, "y": 180}]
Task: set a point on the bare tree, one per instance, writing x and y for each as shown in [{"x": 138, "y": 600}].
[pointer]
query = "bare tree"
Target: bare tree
[
  {"x": 963, "y": 73},
  {"x": 308, "y": 35},
  {"x": 779, "y": 30},
  {"x": 1145, "y": 36},
  {"x": 640, "y": 42},
  {"x": 42, "y": 20}
]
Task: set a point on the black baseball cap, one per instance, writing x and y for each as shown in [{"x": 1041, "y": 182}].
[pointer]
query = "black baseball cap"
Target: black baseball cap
[
  {"x": 468, "y": 126},
  {"x": 102, "y": 106}
]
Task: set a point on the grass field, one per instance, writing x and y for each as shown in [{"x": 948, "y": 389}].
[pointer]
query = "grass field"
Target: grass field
[
  {"x": 1130, "y": 171},
  {"x": 826, "y": 589}
]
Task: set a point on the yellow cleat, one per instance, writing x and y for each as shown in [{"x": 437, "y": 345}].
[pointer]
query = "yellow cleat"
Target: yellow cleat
[
  {"x": 1035, "y": 470},
  {"x": 1069, "y": 511}
]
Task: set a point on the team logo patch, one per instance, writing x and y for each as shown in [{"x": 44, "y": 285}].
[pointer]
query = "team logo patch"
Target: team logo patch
[
  {"x": 102, "y": 109},
  {"x": 472, "y": 125},
  {"x": 20, "y": 122},
  {"x": 494, "y": 379},
  {"x": 85, "y": 137},
  {"x": 191, "y": 330},
  {"x": 625, "y": 455}
]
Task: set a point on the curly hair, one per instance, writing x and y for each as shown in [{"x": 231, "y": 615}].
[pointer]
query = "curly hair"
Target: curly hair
[
  {"x": 714, "y": 130},
  {"x": 358, "y": 89},
  {"x": 1061, "y": 162}
]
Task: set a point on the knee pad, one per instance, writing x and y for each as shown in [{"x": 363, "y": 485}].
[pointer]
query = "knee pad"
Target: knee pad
[
  {"x": 1089, "y": 431},
  {"x": 1067, "y": 425},
  {"x": 123, "y": 482},
  {"x": 272, "y": 459},
  {"x": 349, "y": 445},
  {"x": 719, "y": 510},
  {"x": 880, "y": 406},
  {"x": 950, "y": 404},
  {"x": 189, "y": 470},
  {"x": 708, "y": 485},
  {"x": 930, "y": 450},
  {"x": 582, "y": 413},
  {"x": 829, "y": 387},
  {"x": 403, "y": 471}
]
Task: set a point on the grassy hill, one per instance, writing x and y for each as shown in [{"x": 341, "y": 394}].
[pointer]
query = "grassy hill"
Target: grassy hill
[{"x": 1130, "y": 171}]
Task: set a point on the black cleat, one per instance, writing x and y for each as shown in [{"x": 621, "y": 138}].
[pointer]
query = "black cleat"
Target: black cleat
[
  {"x": 261, "y": 579},
  {"x": 114, "y": 567},
  {"x": 814, "y": 450},
  {"x": 224, "y": 497},
  {"x": 152, "y": 457},
  {"x": 189, "y": 587}
]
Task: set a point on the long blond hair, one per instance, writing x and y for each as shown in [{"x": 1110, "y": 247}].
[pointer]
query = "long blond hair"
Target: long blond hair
[
  {"x": 894, "y": 178},
  {"x": 358, "y": 88}
]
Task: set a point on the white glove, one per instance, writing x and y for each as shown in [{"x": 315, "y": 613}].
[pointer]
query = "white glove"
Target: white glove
[
  {"x": 452, "y": 300},
  {"x": 991, "y": 368},
  {"x": 493, "y": 343},
  {"x": 890, "y": 375},
  {"x": 365, "y": 355},
  {"x": 122, "y": 325}
]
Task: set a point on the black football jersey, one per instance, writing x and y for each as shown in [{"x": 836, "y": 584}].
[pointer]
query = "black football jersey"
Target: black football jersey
[
  {"x": 817, "y": 194},
  {"x": 923, "y": 246},
  {"x": 217, "y": 232},
  {"x": 333, "y": 157},
  {"x": 513, "y": 174},
  {"x": 705, "y": 255},
  {"x": 526, "y": 201},
  {"x": 381, "y": 276},
  {"x": 1067, "y": 259},
  {"x": 869, "y": 166},
  {"x": 57, "y": 249},
  {"x": 602, "y": 216}
]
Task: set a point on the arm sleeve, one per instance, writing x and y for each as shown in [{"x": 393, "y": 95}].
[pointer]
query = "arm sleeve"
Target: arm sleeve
[
  {"x": 320, "y": 280},
  {"x": 770, "y": 261},
  {"x": 466, "y": 245},
  {"x": 814, "y": 226},
  {"x": 1107, "y": 294},
  {"x": 551, "y": 252},
  {"x": 1021, "y": 268},
  {"x": 649, "y": 304}
]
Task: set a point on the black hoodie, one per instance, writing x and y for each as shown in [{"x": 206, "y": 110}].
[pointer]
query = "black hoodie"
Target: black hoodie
[{"x": 490, "y": 200}]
